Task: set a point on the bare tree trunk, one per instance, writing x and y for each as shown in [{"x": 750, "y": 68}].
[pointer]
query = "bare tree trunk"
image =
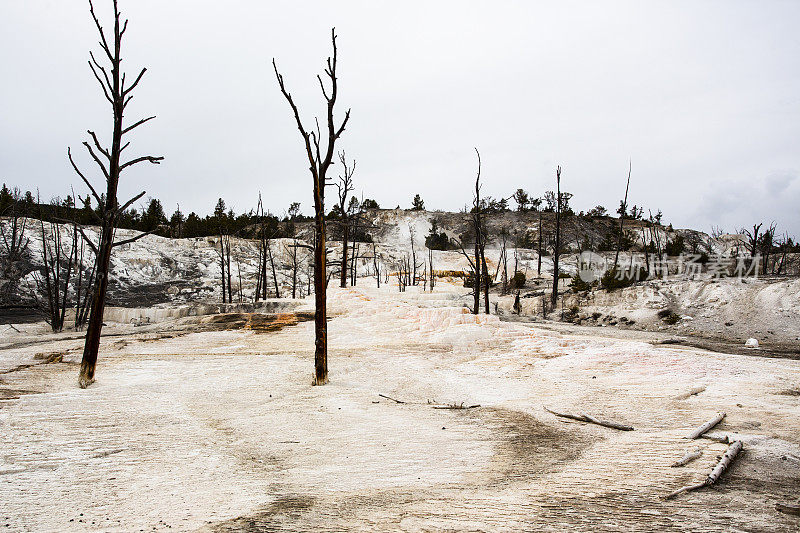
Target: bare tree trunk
[
  {"x": 274, "y": 273},
  {"x": 228, "y": 267},
  {"x": 354, "y": 265},
  {"x": 622, "y": 217},
  {"x": 476, "y": 218},
  {"x": 486, "y": 280},
  {"x": 557, "y": 247},
  {"x": 375, "y": 265},
  {"x": 344, "y": 272},
  {"x": 412, "y": 233},
  {"x": 430, "y": 261},
  {"x": 319, "y": 165},
  {"x": 118, "y": 95},
  {"x": 222, "y": 265},
  {"x": 345, "y": 186},
  {"x": 539, "y": 265}
]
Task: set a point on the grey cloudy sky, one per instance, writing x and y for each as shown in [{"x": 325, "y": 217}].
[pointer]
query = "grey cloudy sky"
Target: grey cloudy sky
[{"x": 704, "y": 97}]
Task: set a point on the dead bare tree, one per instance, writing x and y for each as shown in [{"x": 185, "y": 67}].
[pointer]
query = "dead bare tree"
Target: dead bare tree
[
  {"x": 53, "y": 279},
  {"x": 540, "y": 250},
  {"x": 263, "y": 243},
  {"x": 557, "y": 244},
  {"x": 502, "y": 262},
  {"x": 752, "y": 238},
  {"x": 477, "y": 263},
  {"x": 85, "y": 278},
  {"x": 430, "y": 269},
  {"x": 375, "y": 265},
  {"x": 14, "y": 245},
  {"x": 412, "y": 232},
  {"x": 765, "y": 246},
  {"x": 345, "y": 187},
  {"x": 354, "y": 264},
  {"x": 118, "y": 93},
  {"x": 224, "y": 254},
  {"x": 295, "y": 264},
  {"x": 480, "y": 260},
  {"x": 319, "y": 162},
  {"x": 623, "y": 210}
]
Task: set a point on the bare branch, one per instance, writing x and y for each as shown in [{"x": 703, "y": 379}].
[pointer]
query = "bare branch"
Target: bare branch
[
  {"x": 130, "y": 128},
  {"x": 80, "y": 230},
  {"x": 102, "y": 84},
  {"x": 322, "y": 86},
  {"x": 104, "y": 42},
  {"x": 125, "y": 91},
  {"x": 133, "y": 239},
  {"x": 149, "y": 158},
  {"x": 289, "y": 99},
  {"x": 99, "y": 147},
  {"x": 127, "y": 204},
  {"x": 74, "y": 166},
  {"x": 96, "y": 159}
]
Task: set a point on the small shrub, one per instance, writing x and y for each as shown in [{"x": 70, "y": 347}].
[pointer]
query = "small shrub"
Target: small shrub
[
  {"x": 676, "y": 246},
  {"x": 571, "y": 314},
  {"x": 619, "y": 279},
  {"x": 668, "y": 316},
  {"x": 578, "y": 285},
  {"x": 517, "y": 281},
  {"x": 439, "y": 241}
]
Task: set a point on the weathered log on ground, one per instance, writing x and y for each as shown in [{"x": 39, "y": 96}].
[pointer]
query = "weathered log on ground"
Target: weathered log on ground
[
  {"x": 788, "y": 509},
  {"x": 705, "y": 427},
  {"x": 592, "y": 420},
  {"x": 723, "y": 464},
  {"x": 692, "y": 392},
  {"x": 389, "y": 398},
  {"x": 725, "y": 439},
  {"x": 456, "y": 406},
  {"x": 688, "y": 457}
]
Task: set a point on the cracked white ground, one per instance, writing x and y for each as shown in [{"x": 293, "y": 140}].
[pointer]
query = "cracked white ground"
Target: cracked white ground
[{"x": 223, "y": 430}]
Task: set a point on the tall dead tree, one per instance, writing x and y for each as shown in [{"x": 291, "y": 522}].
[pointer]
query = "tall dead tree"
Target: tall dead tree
[
  {"x": 539, "y": 251},
  {"x": 503, "y": 262},
  {"x": 623, "y": 210},
  {"x": 58, "y": 265},
  {"x": 320, "y": 160},
  {"x": 557, "y": 244},
  {"x": 84, "y": 280},
  {"x": 345, "y": 186},
  {"x": 118, "y": 91},
  {"x": 431, "y": 270},
  {"x": 480, "y": 277},
  {"x": 264, "y": 253},
  {"x": 412, "y": 233},
  {"x": 375, "y": 265}
]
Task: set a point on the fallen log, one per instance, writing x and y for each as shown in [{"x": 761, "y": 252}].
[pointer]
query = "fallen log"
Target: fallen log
[
  {"x": 788, "y": 509},
  {"x": 705, "y": 427},
  {"x": 724, "y": 462},
  {"x": 691, "y": 392},
  {"x": 725, "y": 439},
  {"x": 592, "y": 420},
  {"x": 389, "y": 398},
  {"x": 456, "y": 406},
  {"x": 687, "y": 458}
]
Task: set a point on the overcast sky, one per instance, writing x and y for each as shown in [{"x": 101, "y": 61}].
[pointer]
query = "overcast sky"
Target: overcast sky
[{"x": 703, "y": 97}]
